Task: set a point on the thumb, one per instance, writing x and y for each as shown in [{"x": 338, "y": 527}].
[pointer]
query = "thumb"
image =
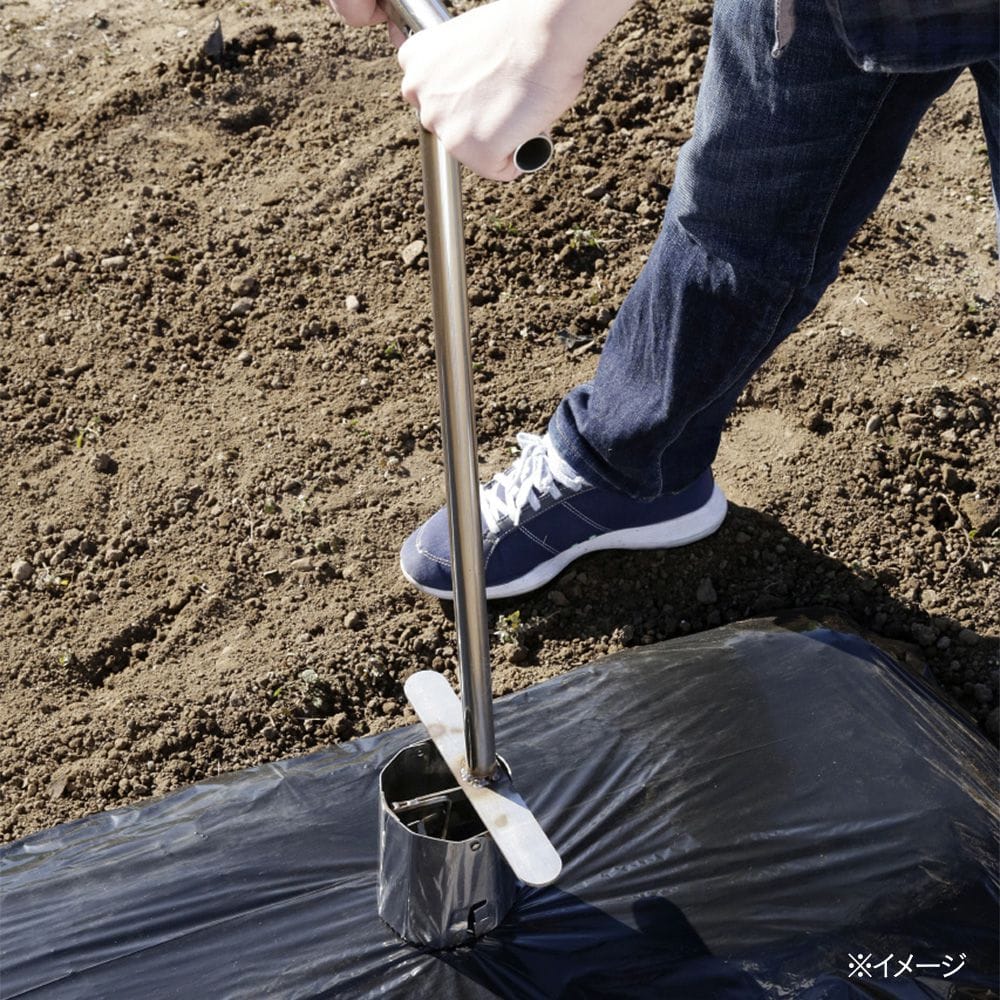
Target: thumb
[
  {"x": 509, "y": 171},
  {"x": 396, "y": 37}
]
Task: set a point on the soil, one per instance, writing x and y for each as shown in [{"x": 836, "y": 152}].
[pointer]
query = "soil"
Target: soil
[{"x": 218, "y": 401}]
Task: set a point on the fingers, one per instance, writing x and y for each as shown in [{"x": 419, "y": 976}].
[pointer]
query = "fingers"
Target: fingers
[
  {"x": 396, "y": 37},
  {"x": 405, "y": 50},
  {"x": 358, "y": 13},
  {"x": 508, "y": 171},
  {"x": 477, "y": 155},
  {"x": 409, "y": 86},
  {"x": 460, "y": 134}
]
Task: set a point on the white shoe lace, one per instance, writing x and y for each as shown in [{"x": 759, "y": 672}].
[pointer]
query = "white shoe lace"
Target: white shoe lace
[{"x": 538, "y": 470}]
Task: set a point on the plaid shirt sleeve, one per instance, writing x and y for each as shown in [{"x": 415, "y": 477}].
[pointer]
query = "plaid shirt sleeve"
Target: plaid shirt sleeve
[{"x": 917, "y": 36}]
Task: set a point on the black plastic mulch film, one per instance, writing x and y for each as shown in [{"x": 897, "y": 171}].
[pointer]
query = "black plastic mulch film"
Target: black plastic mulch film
[{"x": 765, "y": 810}]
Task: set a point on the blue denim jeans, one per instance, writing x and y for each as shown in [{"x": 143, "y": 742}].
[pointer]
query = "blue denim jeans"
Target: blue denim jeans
[{"x": 788, "y": 157}]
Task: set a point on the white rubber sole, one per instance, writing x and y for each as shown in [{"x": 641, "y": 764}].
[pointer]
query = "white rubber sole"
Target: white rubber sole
[{"x": 671, "y": 534}]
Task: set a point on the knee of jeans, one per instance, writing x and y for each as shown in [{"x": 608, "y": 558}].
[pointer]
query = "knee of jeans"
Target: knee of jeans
[{"x": 748, "y": 225}]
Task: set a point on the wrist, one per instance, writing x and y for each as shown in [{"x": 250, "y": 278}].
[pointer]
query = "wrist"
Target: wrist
[{"x": 568, "y": 31}]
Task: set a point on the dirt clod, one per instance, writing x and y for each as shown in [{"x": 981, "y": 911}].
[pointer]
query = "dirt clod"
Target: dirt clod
[
  {"x": 21, "y": 570},
  {"x": 101, "y": 461},
  {"x": 706, "y": 592}
]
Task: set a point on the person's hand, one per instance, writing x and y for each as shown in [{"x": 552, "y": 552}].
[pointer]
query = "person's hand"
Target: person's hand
[
  {"x": 358, "y": 13},
  {"x": 489, "y": 79},
  {"x": 361, "y": 13}
]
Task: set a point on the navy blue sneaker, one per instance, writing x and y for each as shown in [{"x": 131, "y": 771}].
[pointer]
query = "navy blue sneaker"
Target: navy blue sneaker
[{"x": 538, "y": 516}]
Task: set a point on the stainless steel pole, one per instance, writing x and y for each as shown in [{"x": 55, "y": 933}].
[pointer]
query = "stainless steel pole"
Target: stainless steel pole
[
  {"x": 413, "y": 15},
  {"x": 450, "y": 305}
]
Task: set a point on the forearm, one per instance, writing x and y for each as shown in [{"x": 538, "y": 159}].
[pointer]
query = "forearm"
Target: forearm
[{"x": 573, "y": 29}]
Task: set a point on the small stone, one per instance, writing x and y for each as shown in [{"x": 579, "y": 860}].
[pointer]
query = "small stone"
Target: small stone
[
  {"x": 58, "y": 260},
  {"x": 411, "y": 252},
  {"x": 215, "y": 44},
  {"x": 596, "y": 192},
  {"x": 873, "y": 424},
  {"x": 518, "y": 654},
  {"x": 273, "y": 577},
  {"x": 244, "y": 286},
  {"x": 45, "y": 339},
  {"x": 101, "y": 461},
  {"x": 304, "y": 565},
  {"x": 952, "y": 480},
  {"x": 816, "y": 422},
  {"x": 337, "y": 726},
  {"x": 71, "y": 255},
  {"x": 966, "y": 637},
  {"x": 706, "y": 592},
  {"x": 244, "y": 357},
  {"x": 116, "y": 263},
  {"x": 57, "y": 787},
  {"x": 354, "y": 620},
  {"x": 22, "y": 570},
  {"x": 241, "y": 307},
  {"x": 113, "y": 556},
  {"x": 352, "y": 304},
  {"x": 979, "y": 512}
]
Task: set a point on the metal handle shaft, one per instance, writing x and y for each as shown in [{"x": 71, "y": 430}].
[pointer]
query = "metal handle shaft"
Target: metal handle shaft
[
  {"x": 449, "y": 300},
  {"x": 414, "y": 15},
  {"x": 450, "y": 304}
]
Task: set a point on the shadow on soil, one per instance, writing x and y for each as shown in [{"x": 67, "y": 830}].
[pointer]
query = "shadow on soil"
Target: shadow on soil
[{"x": 753, "y": 566}]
